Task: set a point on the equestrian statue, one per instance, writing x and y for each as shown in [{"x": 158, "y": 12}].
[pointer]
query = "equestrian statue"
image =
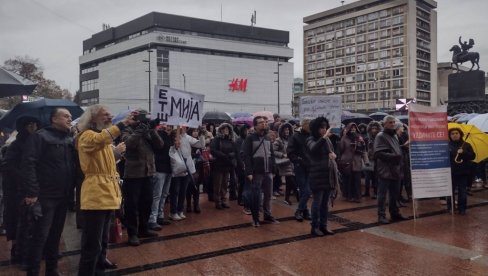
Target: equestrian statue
[{"x": 461, "y": 54}]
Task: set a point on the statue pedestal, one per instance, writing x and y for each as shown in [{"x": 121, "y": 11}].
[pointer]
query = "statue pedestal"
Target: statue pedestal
[{"x": 467, "y": 92}]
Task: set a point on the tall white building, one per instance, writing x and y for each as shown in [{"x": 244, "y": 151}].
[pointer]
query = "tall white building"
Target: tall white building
[
  {"x": 372, "y": 52},
  {"x": 236, "y": 67}
]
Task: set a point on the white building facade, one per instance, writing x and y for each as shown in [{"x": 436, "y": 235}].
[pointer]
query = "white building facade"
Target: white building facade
[
  {"x": 236, "y": 67},
  {"x": 372, "y": 52}
]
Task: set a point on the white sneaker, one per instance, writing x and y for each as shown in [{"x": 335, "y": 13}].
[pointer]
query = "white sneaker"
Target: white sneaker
[
  {"x": 174, "y": 217},
  {"x": 182, "y": 216}
]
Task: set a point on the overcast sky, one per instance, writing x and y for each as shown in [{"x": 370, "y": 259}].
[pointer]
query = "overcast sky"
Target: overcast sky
[{"x": 53, "y": 30}]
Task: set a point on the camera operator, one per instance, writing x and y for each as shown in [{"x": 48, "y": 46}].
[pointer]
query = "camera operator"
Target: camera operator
[{"x": 141, "y": 140}]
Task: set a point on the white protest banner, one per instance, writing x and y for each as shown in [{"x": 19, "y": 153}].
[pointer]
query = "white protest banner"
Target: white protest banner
[
  {"x": 176, "y": 107},
  {"x": 329, "y": 107},
  {"x": 429, "y": 151}
]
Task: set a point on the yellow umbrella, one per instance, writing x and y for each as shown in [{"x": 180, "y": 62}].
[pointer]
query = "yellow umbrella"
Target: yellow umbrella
[{"x": 476, "y": 138}]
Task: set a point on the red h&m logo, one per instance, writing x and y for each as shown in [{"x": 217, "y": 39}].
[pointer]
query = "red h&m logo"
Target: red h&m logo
[{"x": 238, "y": 85}]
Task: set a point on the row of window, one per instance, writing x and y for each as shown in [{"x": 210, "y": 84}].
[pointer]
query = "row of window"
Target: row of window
[
  {"x": 361, "y": 58},
  {"x": 370, "y": 76},
  {"x": 89, "y": 69},
  {"x": 359, "y": 38},
  {"x": 361, "y": 48},
  {"x": 359, "y": 20},
  {"x": 374, "y": 85},
  {"x": 89, "y": 85},
  {"x": 91, "y": 101}
]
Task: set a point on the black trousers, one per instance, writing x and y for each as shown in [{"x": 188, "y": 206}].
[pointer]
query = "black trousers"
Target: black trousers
[
  {"x": 94, "y": 240},
  {"x": 47, "y": 234},
  {"x": 138, "y": 196}
]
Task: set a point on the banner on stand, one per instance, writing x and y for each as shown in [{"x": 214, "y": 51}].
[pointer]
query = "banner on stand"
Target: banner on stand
[{"x": 429, "y": 151}]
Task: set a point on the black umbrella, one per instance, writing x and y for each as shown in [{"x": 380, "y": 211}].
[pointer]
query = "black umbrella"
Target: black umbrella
[
  {"x": 357, "y": 118},
  {"x": 12, "y": 84},
  {"x": 378, "y": 116},
  {"x": 216, "y": 117},
  {"x": 40, "y": 109}
]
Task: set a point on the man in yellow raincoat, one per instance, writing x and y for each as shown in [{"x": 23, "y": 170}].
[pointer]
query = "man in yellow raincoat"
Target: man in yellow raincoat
[{"x": 100, "y": 191}]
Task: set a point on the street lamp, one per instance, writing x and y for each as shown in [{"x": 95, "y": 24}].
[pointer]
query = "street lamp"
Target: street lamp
[
  {"x": 278, "y": 81},
  {"x": 149, "y": 51},
  {"x": 184, "y": 82}
]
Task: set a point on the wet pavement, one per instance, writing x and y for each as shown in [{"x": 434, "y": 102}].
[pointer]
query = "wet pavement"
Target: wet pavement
[{"x": 223, "y": 242}]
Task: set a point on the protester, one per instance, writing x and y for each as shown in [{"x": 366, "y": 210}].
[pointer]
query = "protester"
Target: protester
[
  {"x": 388, "y": 156},
  {"x": 461, "y": 155},
  {"x": 226, "y": 154},
  {"x": 353, "y": 153},
  {"x": 48, "y": 175},
  {"x": 100, "y": 191},
  {"x": 161, "y": 180},
  {"x": 320, "y": 153},
  {"x": 182, "y": 175},
  {"x": 244, "y": 190},
  {"x": 276, "y": 123},
  {"x": 193, "y": 191},
  {"x": 298, "y": 153},
  {"x": 373, "y": 129},
  {"x": 140, "y": 139},
  {"x": 15, "y": 219},
  {"x": 285, "y": 167},
  {"x": 405, "y": 182},
  {"x": 272, "y": 136},
  {"x": 259, "y": 161}
]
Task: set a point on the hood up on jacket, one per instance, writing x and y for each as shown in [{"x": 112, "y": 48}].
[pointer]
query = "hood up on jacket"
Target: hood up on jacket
[
  {"x": 232, "y": 134},
  {"x": 350, "y": 126},
  {"x": 282, "y": 128},
  {"x": 374, "y": 124}
]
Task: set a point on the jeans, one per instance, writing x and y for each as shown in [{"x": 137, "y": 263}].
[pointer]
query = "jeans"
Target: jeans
[
  {"x": 393, "y": 188},
  {"x": 301, "y": 177},
  {"x": 178, "y": 193},
  {"x": 94, "y": 240},
  {"x": 320, "y": 208},
  {"x": 47, "y": 234},
  {"x": 138, "y": 195},
  {"x": 264, "y": 183},
  {"x": 459, "y": 182},
  {"x": 162, "y": 183}
]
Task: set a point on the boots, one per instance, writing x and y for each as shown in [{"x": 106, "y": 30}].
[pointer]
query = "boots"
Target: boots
[{"x": 298, "y": 215}]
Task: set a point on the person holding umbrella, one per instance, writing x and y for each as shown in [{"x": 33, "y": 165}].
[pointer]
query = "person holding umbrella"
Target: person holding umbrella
[{"x": 461, "y": 154}]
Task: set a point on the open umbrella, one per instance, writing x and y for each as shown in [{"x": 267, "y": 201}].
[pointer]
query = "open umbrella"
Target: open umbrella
[
  {"x": 12, "y": 84},
  {"x": 476, "y": 138},
  {"x": 357, "y": 118},
  {"x": 240, "y": 115},
  {"x": 480, "y": 121},
  {"x": 40, "y": 109},
  {"x": 402, "y": 118},
  {"x": 216, "y": 117},
  {"x": 378, "y": 116},
  {"x": 243, "y": 121},
  {"x": 264, "y": 113},
  {"x": 466, "y": 118}
]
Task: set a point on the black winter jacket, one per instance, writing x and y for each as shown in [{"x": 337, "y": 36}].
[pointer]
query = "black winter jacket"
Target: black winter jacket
[
  {"x": 262, "y": 161},
  {"x": 161, "y": 155},
  {"x": 48, "y": 161},
  {"x": 319, "y": 163},
  {"x": 463, "y": 168},
  {"x": 297, "y": 150}
]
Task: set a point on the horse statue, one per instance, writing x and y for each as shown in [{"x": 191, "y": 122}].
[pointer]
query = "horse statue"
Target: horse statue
[{"x": 459, "y": 57}]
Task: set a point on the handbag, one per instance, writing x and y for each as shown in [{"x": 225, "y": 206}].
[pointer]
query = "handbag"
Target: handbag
[
  {"x": 178, "y": 165},
  {"x": 115, "y": 231}
]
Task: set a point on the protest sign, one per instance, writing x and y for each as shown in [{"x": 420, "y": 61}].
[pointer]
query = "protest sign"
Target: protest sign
[
  {"x": 329, "y": 107},
  {"x": 176, "y": 107},
  {"x": 429, "y": 151}
]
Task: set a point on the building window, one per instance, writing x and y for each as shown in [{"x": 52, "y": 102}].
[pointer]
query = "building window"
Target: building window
[
  {"x": 89, "y": 69},
  {"x": 373, "y": 16},
  {"x": 397, "y": 83},
  {"x": 397, "y": 73},
  {"x": 89, "y": 85},
  {"x": 362, "y": 19}
]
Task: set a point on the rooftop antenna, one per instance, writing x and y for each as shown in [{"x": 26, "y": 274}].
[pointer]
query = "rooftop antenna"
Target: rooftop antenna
[
  {"x": 253, "y": 18},
  {"x": 342, "y": 2}
]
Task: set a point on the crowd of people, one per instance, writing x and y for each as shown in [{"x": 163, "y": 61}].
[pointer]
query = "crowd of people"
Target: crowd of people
[{"x": 130, "y": 170}]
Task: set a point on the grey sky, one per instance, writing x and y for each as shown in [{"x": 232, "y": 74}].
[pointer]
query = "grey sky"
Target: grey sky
[{"x": 53, "y": 30}]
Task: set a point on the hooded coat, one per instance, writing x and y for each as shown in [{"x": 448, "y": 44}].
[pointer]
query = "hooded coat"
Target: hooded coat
[
  {"x": 370, "y": 138},
  {"x": 353, "y": 149},
  {"x": 319, "y": 150},
  {"x": 280, "y": 146},
  {"x": 224, "y": 149}
]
